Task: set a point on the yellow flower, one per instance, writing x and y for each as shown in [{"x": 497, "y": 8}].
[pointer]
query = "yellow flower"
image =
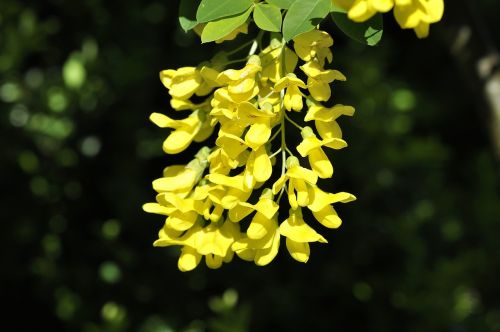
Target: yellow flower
[
  {"x": 220, "y": 162},
  {"x": 181, "y": 83},
  {"x": 186, "y": 81},
  {"x": 293, "y": 97},
  {"x": 209, "y": 80},
  {"x": 272, "y": 61},
  {"x": 321, "y": 206},
  {"x": 266, "y": 207},
  {"x": 314, "y": 45},
  {"x": 214, "y": 242},
  {"x": 261, "y": 242},
  {"x": 362, "y": 10},
  {"x": 298, "y": 235},
  {"x": 318, "y": 80},
  {"x": 325, "y": 119},
  {"x": 311, "y": 147},
  {"x": 233, "y": 145},
  {"x": 224, "y": 108},
  {"x": 298, "y": 178},
  {"x": 418, "y": 14},
  {"x": 241, "y": 83},
  {"x": 212, "y": 197},
  {"x": 189, "y": 258},
  {"x": 180, "y": 179},
  {"x": 185, "y": 131},
  {"x": 237, "y": 181},
  {"x": 258, "y": 167},
  {"x": 410, "y": 14},
  {"x": 261, "y": 251},
  {"x": 260, "y": 124}
]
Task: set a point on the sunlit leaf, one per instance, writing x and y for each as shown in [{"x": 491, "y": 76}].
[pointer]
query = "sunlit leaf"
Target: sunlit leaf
[
  {"x": 187, "y": 14},
  {"x": 267, "y": 17},
  {"x": 218, "y": 29},
  {"x": 303, "y": 16},
  {"x": 285, "y": 4},
  {"x": 210, "y": 10}
]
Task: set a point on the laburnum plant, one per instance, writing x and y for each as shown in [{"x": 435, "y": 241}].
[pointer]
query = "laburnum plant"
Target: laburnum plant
[{"x": 256, "y": 185}]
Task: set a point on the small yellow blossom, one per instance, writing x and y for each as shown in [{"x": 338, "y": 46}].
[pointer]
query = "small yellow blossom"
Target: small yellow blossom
[
  {"x": 318, "y": 80},
  {"x": 272, "y": 61},
  {"x": 322, "y": 209},
  {"x": 241, "y": 83},
  {"x": 298, "y": 235},
  {"x": 181, "y": 83},
  {"x": 362, "y": 10},
  {"x": 410, "y": 14},
  {"x": 184, "y": 133},
  {"x": 262, "y": 251},
  {"x": 314, "y": 45},
  {"x": 418, "y": 14},
  {"x": 293, "y": 97},
  {"x": 181, "y": 179},
  {"x": 311, "y": 147},
  {"x": 299, "y": 179},
  {"x": 325, "y": 119}
]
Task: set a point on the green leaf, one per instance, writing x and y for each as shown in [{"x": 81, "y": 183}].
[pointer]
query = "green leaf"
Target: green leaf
[
  {"x": 303, "y": 16},
  {"x": 369, "y": 32},
  {"x": 210, "y": 10},
  {"x": 284, "y": 4},
  {"x": 267, "y": 17},
  {"x": 220, "y": 28},
  {"x": 187, "y": 14}
]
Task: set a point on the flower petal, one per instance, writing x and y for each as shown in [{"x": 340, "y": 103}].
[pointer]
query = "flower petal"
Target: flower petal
[{"x": 298, "y": 250}]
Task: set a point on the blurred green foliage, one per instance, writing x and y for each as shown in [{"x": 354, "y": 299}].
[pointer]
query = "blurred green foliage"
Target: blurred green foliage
[{"x": 418, "y": 251}]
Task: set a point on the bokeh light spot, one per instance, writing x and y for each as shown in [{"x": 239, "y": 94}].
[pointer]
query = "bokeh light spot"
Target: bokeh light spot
[
  {"x": 67, "y": 303},
  {"x": 362, "y": 291},
  {"x": 74, "y": 72},
  {"x": 19, "y": 116},
  {"x": 39, "y": 186},
  {"x": 403, "y": 100},
  {"x": 34, "y": 78},
  {"x": 113, "y": 312},
  {"x": 28, "y": 161},
  {"x": 110, "y": 272},
  {"x": 452, "y": 230},
  {"x": 57, "y": 100},
  {"x": 91, "y": 146},
  {"x": 111, "y": 229},
  {"x": 51, "y": 245},
  {"x": 10, "y": 92}
]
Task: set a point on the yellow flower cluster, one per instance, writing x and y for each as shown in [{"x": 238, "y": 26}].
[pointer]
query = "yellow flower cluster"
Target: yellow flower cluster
[
  {"x": 228, "y": 199},
  {"x": 410, "y": 14}
]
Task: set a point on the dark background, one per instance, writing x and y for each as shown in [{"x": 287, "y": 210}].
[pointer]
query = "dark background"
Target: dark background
[{"x": 418, "y": 250}]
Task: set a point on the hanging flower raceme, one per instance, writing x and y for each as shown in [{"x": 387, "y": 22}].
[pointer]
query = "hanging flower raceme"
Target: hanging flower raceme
[
  {"x": 273, "y": 125},
  {"x": 229, "y": 199}
]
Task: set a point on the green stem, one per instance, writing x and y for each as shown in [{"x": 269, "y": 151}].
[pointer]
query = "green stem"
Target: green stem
[
  {"x": 293, "y": 122},
  {"x": 241, "y": 47},
  {"x": 275, "y": 153},
  {"x": 275, "y": 135}
]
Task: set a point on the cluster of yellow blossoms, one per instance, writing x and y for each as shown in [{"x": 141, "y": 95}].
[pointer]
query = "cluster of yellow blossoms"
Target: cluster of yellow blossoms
[
  {"x": 410, "y": 14},
  {"x": 207, "y": 203}
]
